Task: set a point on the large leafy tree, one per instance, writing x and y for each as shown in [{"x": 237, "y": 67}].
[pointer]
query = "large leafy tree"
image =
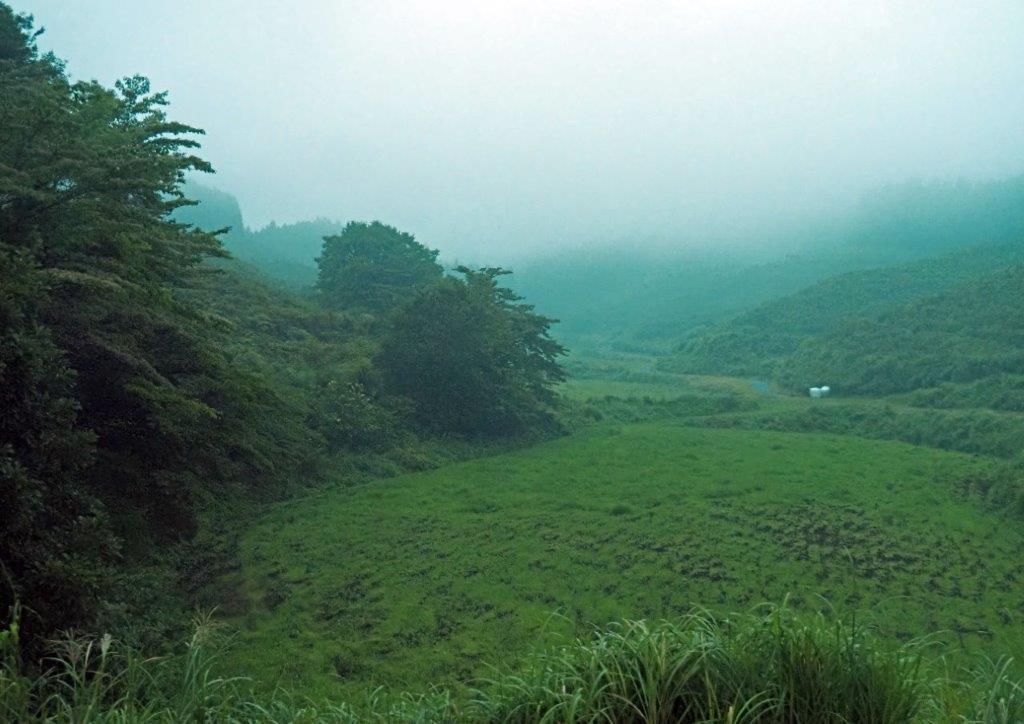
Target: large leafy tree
[
  {"x": 117, "y": 404},
  {"x": 473, "y": 358},
  {"x": 373, "y": 267}
]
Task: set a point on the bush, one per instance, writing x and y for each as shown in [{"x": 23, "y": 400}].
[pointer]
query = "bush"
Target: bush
[
  {"x": 774, "y": 668},
  {"x": 350, "y": 419}
]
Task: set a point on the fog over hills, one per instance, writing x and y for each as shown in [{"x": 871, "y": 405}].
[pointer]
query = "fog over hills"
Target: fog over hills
[{"x": 498, "y": 129}]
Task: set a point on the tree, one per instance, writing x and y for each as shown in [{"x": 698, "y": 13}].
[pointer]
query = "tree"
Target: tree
[
  {"x": 55, "y": 546},
  {"x": 373, "y": 267},
  {"x": 119, "y": 405},
  {"x": 473, "y": 359}
]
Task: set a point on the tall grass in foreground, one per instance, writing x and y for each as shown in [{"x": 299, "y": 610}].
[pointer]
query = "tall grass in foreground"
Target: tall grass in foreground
[
  {"x": 764, "y": 667},
  {"x": 774, "y": 668}
]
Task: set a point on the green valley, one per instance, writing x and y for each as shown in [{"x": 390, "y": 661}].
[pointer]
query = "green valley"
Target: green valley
[{"x": 572, "y": 363}]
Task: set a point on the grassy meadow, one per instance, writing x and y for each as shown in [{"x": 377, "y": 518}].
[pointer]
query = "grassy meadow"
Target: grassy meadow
[
  {"x": 429, "y": 579},
  {"x": 661, "y": 387}
]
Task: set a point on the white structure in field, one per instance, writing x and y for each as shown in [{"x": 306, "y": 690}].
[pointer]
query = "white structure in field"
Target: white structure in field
[{"x": 817, "y": 392}]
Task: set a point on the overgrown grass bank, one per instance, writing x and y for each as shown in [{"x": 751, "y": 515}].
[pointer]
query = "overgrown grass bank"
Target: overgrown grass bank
[{"x": 770, "y": 666}]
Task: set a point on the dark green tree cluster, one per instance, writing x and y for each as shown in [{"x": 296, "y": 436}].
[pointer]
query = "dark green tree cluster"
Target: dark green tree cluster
[
  {"x": 472, "y": 358},
  {"x": 118, "y": 406},
  {"x": 373, "y": 267},
  {"x": 467, "y": 353}
]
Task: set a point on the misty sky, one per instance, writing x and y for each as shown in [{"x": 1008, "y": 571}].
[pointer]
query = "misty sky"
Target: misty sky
[{"x": 494, "y": 126}]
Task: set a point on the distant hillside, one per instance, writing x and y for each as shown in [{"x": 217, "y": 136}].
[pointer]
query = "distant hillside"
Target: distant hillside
[
  {"x": 213, "y": 211},
  {"x": 286, "y": 252},
  {"x": 968, "y": 333},
  {"x": 754, "y": 342},
  {"x": 630, "y": 298},
  {"x": 635, "y": 301}
]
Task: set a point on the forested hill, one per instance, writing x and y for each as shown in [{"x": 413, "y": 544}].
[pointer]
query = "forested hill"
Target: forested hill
[
  {"x": 646, "y": 300},
  {"x": 285, "y": 253},
  {"x": 755, "y": 342},
  {"x": 971, "y": 333}
]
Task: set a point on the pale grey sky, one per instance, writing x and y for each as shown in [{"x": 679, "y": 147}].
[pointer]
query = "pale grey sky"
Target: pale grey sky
[{"x": 490, "y": 126}]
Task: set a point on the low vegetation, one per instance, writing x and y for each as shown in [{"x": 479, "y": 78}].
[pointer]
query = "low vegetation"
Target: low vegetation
[
  {"x": 770, "y": 667},
  {"x": 982, "y": 432},
  {"x": 425, "y": 579}
]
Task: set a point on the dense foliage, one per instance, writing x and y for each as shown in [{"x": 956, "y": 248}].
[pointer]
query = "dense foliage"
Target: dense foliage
[
  {"x": 999, "y": 392},
  {"x": 373, "y": 267},
  {"x": 54, "y": 540},
  {"x": 972, "y": 331},
  {"x": 473, "y": 358},
  {"x": 121, "y": 403},
  {"x": 759, "y": 340}
]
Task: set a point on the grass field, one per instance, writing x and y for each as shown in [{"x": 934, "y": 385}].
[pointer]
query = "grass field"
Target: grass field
[
  {"x": 666, "y": 387},
  {"x": 425, "y": 579}
]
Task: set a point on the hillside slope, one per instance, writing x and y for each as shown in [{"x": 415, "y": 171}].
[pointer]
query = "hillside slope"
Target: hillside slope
[
  {"x": 971, "y": 332},
  {"x": 754, "y": 342},
  {"x": 635, "y": 301}
]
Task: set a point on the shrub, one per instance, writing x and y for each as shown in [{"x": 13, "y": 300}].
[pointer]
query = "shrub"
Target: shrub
[
  {"x": 350, "y": 419},
  {"x": 774, "y": 668}
]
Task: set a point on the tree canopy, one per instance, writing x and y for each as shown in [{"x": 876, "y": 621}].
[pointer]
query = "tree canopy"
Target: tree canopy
[
  {"x": 472, "y": 357},
  {"x": 373, "y": 267},
  {"x": 119, "y": 406}
]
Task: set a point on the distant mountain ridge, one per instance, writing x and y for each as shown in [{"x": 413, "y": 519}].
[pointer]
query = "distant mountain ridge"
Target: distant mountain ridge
[{"x": 706, "y": 304}]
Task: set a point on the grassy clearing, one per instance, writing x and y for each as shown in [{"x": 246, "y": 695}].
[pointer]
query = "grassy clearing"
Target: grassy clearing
[
  {"x": 984, "y": 432},
  {"x": 427, "y": 579},
  {"x": 661, "y": 388}
]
